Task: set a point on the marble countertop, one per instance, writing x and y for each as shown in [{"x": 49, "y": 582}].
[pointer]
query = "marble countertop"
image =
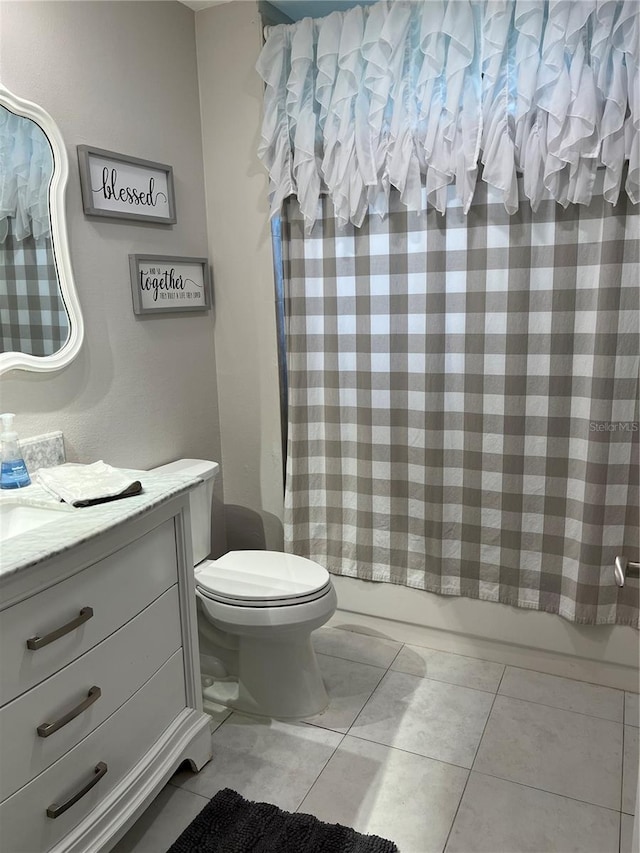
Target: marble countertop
[{"x": 77, "y": 525}]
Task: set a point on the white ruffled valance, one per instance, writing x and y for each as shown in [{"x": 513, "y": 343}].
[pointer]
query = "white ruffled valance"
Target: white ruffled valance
[
  {"x": 404, "y": 93},
  {"x": 26, "y": 167}
]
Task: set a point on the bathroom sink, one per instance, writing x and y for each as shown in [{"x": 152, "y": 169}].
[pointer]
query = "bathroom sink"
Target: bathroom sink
[{"x": 18, "y": 517}]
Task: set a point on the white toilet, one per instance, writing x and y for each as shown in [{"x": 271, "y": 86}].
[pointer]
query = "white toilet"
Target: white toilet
[{"x": 257, "y": 610}]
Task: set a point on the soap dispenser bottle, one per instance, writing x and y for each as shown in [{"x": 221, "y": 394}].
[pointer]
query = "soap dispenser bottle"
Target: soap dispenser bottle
[{"x": 13, "y": 471}]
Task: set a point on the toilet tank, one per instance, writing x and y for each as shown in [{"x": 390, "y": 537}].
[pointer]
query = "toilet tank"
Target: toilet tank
[{"x": 200, "y": 500}]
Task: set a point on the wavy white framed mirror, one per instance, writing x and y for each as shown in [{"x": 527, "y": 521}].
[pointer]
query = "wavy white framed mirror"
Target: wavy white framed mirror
[{"x": 41, "y": 328}]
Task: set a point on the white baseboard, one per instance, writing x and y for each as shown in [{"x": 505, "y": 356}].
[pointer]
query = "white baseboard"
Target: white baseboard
[{"x": 602, "y": 654}]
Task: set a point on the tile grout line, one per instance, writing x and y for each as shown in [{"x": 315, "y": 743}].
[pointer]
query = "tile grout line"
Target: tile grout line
[
  {"x": 624, "y": 737},
  {"x": 469, "y": 770},
  {"x": 482, "y": 689},
  {"x": 186, "y": 791},
  {"x": 339, "y": 744},
  {"x": 486, "y": 690},
  {"x": 387, "y": 671},
  {"x": 486, "y": 723},
  {"x": 551, "y": 793},
  {"x": 350, "y": 660},
  {"x": 620, "y": 834},
  {"x": 313, "y": 784},
  {"x": 344, "y": 734},
  {"x": 557, "y": 708},
  {"x": 495, "y": 696},
  {"x": 479, "y": 772},
  {"x": 478, "y": 689},
  {"x": 544, "y": 790},
  {"x": 565, "y": 677},
  {"x": 507, "y": 695},
  {"x": 441, "y": 651},
  {"x": 353, "y": 660},
  {"x": 442, "y": 681},
  {"x": 491, "y": 775},
  {"x": 395, "y": 657},
  {"x": 501, "y": 663},
  {"x": 327, "y": 728},
  {"x": 407, "y": 751}
]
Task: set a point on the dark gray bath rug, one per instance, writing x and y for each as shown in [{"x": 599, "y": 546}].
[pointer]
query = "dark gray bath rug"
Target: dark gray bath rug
[{"x": 231, "y": 824}]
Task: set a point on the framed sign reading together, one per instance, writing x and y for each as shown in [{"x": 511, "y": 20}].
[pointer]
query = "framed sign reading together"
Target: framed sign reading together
[
  {"x": 122, "y": 187},
  {"x": 161, "y": 283}
]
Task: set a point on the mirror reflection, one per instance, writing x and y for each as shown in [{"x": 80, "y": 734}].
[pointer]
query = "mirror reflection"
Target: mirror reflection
[{"x": 34, "y": 317}]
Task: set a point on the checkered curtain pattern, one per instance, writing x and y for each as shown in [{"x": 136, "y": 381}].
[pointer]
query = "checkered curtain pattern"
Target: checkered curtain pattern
[
  {"x": 33, "y": 319},
  {"x": 463, "y": 401}
]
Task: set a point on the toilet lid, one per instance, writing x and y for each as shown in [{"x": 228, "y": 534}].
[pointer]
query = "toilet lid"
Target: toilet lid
[{"x": 253, "y": 577}]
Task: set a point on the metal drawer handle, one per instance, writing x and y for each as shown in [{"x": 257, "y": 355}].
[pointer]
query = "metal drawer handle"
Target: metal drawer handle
[
  {"x": 47, "y": 729},
  {"x": 35, "y": 643},
  {"x": 55, "y": 810}
]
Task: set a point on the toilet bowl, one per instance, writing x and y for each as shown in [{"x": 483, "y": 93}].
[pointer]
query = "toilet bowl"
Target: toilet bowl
[{"x": 256, "y": 612}]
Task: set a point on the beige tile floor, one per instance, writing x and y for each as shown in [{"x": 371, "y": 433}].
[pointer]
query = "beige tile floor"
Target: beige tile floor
[{"x": 441, "y": 753}]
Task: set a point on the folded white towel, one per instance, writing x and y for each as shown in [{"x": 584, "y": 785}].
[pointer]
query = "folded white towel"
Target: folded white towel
[{"x": 85, "y": 485}]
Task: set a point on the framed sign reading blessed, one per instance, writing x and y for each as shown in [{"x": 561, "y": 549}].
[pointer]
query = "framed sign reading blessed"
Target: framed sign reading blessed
[
  {"x": 162, "y": 283},
  {"x": 122, "y": 187}
]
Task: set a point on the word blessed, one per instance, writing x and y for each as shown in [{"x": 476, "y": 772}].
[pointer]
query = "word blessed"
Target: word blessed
[
  {"x": 129, "y": 195},
  {"x": 164, "y": 280}
]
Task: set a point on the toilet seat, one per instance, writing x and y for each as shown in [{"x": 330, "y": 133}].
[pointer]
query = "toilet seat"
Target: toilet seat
[
  {"x": 262, "y": 579},
  {"x": 268, "y": 602}
]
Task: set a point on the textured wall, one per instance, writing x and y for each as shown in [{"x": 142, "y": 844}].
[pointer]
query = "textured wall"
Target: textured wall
[
  {"x": 229, "y": 39},
  {"x": 120, "y": 76}
]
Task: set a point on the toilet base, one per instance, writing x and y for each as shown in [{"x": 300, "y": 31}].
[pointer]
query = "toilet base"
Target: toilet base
[
  {"x": 260, "y": 659},
  {"x": 275, "y": 678}
]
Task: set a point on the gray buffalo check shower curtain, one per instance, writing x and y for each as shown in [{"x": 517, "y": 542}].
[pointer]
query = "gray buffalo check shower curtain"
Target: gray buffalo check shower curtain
[
  {"x": 458, "y": 182},
  {"x": 463, "y": 400}
]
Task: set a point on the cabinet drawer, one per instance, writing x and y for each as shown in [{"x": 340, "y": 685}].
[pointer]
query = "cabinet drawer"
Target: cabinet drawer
[
  {"x": 116, "y": 589},
  {"x": 117, "y": 666},
  {"x": 119, "y": 742}
]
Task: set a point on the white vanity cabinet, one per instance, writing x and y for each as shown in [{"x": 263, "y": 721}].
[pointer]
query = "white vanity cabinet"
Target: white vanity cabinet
[{"x": 99, "y": 688}]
